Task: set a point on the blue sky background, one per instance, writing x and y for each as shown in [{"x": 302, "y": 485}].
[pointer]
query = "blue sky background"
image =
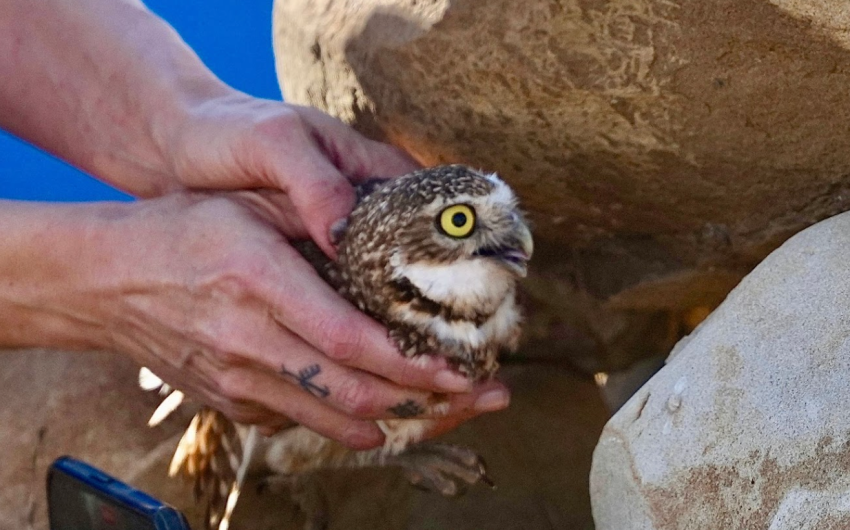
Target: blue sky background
[{"x": 233, "y": 37}]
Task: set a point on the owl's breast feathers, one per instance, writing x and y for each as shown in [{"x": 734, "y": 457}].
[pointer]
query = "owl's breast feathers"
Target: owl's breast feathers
[{"x": 469, "y": 332}]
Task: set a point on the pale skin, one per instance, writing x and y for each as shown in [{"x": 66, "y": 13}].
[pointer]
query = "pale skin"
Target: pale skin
[{"x": 201, "y": 286}]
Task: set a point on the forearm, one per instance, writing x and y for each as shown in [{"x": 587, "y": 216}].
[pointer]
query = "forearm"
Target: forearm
[
  {"x": 46, "y": 267},
  {"x": 102, "y": 84}
]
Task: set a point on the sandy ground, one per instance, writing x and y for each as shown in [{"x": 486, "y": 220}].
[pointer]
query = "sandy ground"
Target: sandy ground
[{"x": 88, "y": 406}]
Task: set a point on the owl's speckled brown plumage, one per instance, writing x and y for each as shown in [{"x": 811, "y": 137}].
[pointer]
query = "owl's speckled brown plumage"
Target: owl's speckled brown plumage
[
  {"x": 437, "y": 294},
  {"x": 395, "y": 227}
]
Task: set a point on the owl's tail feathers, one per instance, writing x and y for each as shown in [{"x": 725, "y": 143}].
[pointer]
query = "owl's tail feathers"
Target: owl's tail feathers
[
  {"x": 210, "y": 455},
  {"x": 241, "y": 471},
  {"x": 173, "y": 398},
  {"x": 213, "y": 458}
]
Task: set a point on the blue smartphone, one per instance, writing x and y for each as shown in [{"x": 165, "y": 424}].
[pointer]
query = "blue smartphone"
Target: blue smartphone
[{"x": 82, "y": 497}]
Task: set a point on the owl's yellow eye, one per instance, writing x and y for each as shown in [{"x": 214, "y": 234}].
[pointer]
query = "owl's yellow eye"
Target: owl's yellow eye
[{"x": 457, "y": 221}]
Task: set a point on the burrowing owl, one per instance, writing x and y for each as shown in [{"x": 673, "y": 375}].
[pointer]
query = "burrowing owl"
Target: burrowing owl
[{"x": 435, "y": 256}]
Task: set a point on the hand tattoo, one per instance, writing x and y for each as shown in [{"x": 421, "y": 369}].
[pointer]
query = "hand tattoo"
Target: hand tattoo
[{"x": 305, "y": 380}]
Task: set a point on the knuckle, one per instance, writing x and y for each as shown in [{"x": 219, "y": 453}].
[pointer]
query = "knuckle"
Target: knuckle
[
  {"x": 357, "y": 397},
  {"x": 239, "y": 274},
  {"x": 343, "y": 340},
  {"x": 228, "y": 282}
]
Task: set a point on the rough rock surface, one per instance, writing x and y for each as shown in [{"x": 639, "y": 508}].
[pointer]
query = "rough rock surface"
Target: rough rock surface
[
  {"x": 86, "y": 405},
  {"x": 669, "y": 146},
  {"x": 747, "y": 425}
]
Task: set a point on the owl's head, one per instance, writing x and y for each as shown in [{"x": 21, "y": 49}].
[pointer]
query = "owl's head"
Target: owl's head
[{"x": 454, "y": 233}]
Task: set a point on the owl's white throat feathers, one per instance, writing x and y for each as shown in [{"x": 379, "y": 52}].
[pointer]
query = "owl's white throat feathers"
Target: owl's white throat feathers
[{"x": 476, "y": 285}]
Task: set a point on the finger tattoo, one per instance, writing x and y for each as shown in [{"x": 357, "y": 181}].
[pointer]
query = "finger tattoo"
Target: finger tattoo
[{"x": 305, "y": 377}]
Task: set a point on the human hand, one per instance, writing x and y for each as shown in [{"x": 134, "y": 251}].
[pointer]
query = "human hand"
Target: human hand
[
  {"x": 205, "y": 290},
  {"x": 140, "y": 111},
  {"x": 237, "y": 141},
  {"x": 240, "y": 142}
]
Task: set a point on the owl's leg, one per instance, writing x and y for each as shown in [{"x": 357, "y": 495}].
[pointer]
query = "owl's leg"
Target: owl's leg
[{"x": 443, "y": 468}]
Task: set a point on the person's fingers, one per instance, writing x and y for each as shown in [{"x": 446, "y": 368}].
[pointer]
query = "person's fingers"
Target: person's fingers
[
  {"x": 489, "y": 396},
  {"x": 357, "y": 157},
  {"x": 352, "y": 391},
  {"x": 240, "y": 142},
  {"x": 201, "y": 372},
  {"x": 492, "y": 396},
  {"x": 274, "y": 426},
  {"x": 320, "y": 193},
  {"x": 252, "y": 384},
  {"x": 268, "y": 430},
  {"x": 303, "y": 303}
]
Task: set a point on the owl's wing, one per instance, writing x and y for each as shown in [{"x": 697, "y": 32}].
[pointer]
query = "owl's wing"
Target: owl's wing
[
  {"x": 366, "y": 188},
  {"x": 211, "y": 456},
  {"x": 324, "y": 266}
]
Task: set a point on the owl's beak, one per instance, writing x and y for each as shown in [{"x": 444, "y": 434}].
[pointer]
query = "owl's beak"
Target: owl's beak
[
  {"x": 525, "y": 239},
  {"x": 516, "y": 250}
]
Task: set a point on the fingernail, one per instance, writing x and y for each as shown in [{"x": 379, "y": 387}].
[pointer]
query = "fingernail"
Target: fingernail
[
  {"x": 268, "y": 432},
  {"x": 452, "y": 381},
  {"x": 493, "y": 400},
  {"x": 367, "y": 438},
  {"x": 338, "y": 230}
]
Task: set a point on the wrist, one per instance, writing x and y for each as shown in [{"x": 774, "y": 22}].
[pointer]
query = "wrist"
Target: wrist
[
  {"x": 184, "y": 134},
  {"x": 163, "y": 89}
]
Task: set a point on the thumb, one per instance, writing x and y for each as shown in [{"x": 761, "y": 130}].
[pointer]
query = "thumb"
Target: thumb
[{"x": 321, "y": 195}]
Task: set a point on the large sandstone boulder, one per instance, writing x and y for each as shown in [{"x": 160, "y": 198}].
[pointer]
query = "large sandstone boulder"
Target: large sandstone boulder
[
  {"x": 669, "y": 146},
  {"x": 747, "y": 426}
]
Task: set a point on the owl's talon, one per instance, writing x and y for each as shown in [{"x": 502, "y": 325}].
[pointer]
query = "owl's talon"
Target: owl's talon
[
  {"x": 443, "y": 468},
  {"x": 431, "y": 480}
]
